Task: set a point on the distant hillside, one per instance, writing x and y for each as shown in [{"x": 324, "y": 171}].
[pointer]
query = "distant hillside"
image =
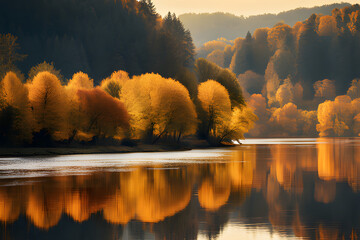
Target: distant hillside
[{"x": 206, "y": 27}]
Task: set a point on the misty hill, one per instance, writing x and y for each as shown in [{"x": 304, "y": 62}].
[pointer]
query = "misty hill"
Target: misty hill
[{"x": 205, "y": 27}]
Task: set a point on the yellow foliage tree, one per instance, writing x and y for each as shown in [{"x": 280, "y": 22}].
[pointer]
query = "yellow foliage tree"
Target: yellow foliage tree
[
  {"x": 80, "y": 80},
  {"x": 49, "y": 103},
  {"x": 242, "y": 120},
  {"x": 15, "y": 94},
  {"x": 215, "y": 103},
  {"x": 338, "y": 117},
  {"x": 158, "y": 107},
  {"x": 113, "y": 84}
]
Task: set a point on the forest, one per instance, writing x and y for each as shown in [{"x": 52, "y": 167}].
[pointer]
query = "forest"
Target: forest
[
  {"x": 149, "y": 85},
  {"x": 134, "y": 81},
  {"x": 301, "y": 80}
]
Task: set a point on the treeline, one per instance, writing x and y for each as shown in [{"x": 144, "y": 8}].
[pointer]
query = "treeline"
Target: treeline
[
  {"x": 205, "y": 27},
  {"x": 98, "y": 37},
  {"x": 149, "y": 108},
  {"x": 293, "y": 76}
]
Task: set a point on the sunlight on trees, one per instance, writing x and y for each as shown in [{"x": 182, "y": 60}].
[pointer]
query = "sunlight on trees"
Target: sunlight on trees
[
  {"x": 207, "y": 70},
  {"x": 215, "y": 102},
  {"x": 159, "y": 108},
  {"x": 49, "y": 103},
  {"x": 15, "y": 95},
  {"x": 327, "y": 26},
  {"x": 76, "y": 118},
  {"x": 338, "y": 117},
  {"x": 112, "y": 85}
]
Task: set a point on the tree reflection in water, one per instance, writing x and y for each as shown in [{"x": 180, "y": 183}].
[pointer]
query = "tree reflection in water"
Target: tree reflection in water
[{"x": 309, "y": 191}]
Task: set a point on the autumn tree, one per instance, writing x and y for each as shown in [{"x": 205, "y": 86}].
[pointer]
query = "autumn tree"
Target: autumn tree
[
  {"x": 337, "y": 118},
  {"x": 105, "y": 116},
  {"x": 158, "y": 107},
  {"x": 175, "y": 113},
  {"x": 207, "y": 70},
  {"x": 215, "y": 103},
  {"x": 112, "y": 85},
  {"x": 242, "y": 120},
  {"x": 49, "y": 103},
  {"x": 80, "y": 80},
  {"x": 15, "y": 96},
  {"x": 76, "y": 118}
]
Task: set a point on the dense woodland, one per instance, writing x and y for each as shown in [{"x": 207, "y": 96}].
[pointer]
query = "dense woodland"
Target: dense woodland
[
  {"x": 302, "y": 80},
  {"x": 98, "y": 37},
  {"x": 206, "y": 27},
  {"x": 44, "y": 107},
  {"x": 299, "y": 81}
]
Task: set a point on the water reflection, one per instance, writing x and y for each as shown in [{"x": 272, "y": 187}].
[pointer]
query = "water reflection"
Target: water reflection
[{"x": 261, "y": 191}]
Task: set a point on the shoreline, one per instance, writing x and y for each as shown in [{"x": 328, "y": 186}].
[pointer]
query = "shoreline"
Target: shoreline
[{"x": 52, "y": 151}]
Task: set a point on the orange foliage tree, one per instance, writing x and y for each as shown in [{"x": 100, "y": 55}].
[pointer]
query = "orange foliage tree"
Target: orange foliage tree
[
  {"x": 75, "y": 120},
  {"x": 15, "y": 96},
  {"x": 105, "y": 115},
  {"x": 49, "y": 103}
]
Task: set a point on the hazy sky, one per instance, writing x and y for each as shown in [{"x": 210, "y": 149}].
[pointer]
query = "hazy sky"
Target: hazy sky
[{"x": 237, "y": 7}]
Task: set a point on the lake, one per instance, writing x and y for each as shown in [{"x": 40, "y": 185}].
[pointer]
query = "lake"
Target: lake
[{"x": 263, "y": 189}]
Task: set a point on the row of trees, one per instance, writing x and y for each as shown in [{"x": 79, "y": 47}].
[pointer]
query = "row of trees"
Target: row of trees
[
  {"x": 147, "y": 107},
  {"x": 334, "y": 115}
]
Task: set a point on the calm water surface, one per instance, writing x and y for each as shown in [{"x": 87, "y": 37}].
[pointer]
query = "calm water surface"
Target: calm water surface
[{"x": 264, "y": 189}]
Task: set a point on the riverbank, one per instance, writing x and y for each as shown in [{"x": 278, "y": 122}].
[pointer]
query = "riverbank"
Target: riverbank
[{"x": 45, "y": 151}]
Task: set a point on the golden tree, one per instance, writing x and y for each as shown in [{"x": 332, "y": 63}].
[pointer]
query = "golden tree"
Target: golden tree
[
  {"x": 113, "y": 84},
  {"x": 242, "y": 120},
  {"x": 215, "y": 102},
  {"x": 15, "y": 95},
  {"x": 158, "y": 107},
  {"x": 75, "y": 120},
  {"x": 49, "y": 102}
]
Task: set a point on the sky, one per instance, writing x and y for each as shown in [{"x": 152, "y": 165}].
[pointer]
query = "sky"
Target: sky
[{"x": 237, "y": 7}]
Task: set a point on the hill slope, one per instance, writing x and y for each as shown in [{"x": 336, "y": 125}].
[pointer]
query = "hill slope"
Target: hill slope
[
  {"x": 211, "y": 26},
  {"x": 97, "y": 36}
]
